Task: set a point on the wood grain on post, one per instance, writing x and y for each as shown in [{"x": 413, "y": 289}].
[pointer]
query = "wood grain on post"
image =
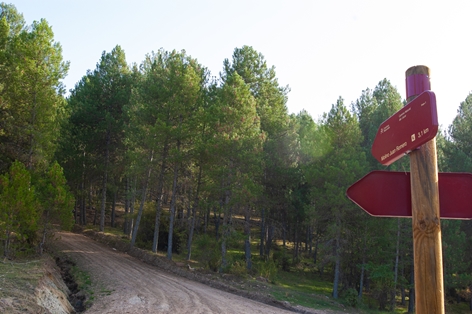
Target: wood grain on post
[{"x": 428, "y": 268}]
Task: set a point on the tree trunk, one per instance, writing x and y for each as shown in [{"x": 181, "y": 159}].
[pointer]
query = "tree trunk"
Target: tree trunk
[
  {"x": 247, "y": 242},
  {"x": 76, "y": 209},
  {"x": 7, "y": 243},
  {"x": 143, "y": 200},
  {"x": 43, "y": 240},
  {"x": 310, "y": 241},
  {"x": 83, "y": 208},
  {"x": 226, "y": 232},
  {"x": 193, "y": 215},
  {"x": 295, "y": 252},
  {"x": 470, "y": 303},
  {"x": 307, "y": 238},
  {"x": 315, "y": 253},
  {"x": 95, "y": 217},
  {"x": 206, "y": 219},
  {"x": 270, "y": 237},
  {"x": 172, "y": 208},
  {"x": 361, "y": 281},
  {"x": 261, "y": 245},
  {"x": 82, "y": 200},
  {"x": 113, "y": 207},
  {"x": 402, "y": 287},
  {"x": 224, "y": 237},
  {"x": 131, "y": 207},
  {"x": 80, "y": 213},
  {"x": 90, "y": 201},
  {"x": 284, "y": 234},
  {"x": 411, "y": 294},
  {"x": 217, "y": 223},
  {"x": 104, "y": 185},
  {"x": 160, "y": 187},
  {"x": 127, "y": 196},
  {"x": 226, "y": 226},
  {"x": 224, "y": 262},
  {"x": 397, "y": 256},
  {"x": 337, "y": 265}
]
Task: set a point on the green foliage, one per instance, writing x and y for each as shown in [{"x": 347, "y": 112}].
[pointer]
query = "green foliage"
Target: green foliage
[
  {"x": 461, "y": 127},
  {"x": 371, "y": 109},
  {"x": 267, "y": 269},
  {"x": 238, "y": 268},
  {"x": 351, "y": 296},
  {"x": 282, "y": 259},
  {"x": 261, "y": 79},
  {"x": 56, "y": 201},
  {"x": 32, "y": 106},
  {"x": 381, "y": 277},
  {"x": 207, "y": 251},
  {"x": 13, "y": 18},
  {"x": 456, "y": 145},
  {"x": 95, "y": 130},
  {"x": 19, "y": 212},
  {"x": 455, "y": 261},
  {"x": 25, "y": 207},
  {"x": 332, "y": 175}
]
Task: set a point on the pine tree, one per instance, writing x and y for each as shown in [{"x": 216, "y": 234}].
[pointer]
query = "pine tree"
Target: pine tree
[
  {"x": 237, "y": 146},
  {"x": 31, "y": 92},
  {"x": 338, "y": 169},
  {"x": 97, "y": 122}
]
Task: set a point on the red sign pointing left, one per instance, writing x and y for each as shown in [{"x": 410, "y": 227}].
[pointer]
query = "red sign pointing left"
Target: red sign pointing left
[{"x": 388, "y": 194}]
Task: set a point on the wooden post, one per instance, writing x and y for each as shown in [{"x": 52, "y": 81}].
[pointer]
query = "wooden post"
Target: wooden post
[{"x": 427, "y": 251}]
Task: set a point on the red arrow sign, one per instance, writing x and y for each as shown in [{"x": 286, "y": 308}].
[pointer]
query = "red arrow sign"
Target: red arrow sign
[
  {"x": 409, "y": 128},
  {"x": 388, "y": 194}
]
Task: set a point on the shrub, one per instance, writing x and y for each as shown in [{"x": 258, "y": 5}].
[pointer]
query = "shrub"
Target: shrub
[
  {"x": 282, "y": 259},
  {"x": 207, "y": 251},
  {"x": 238, "y": 268},
  {"x": 351, "y": 296},
  {"x": 266, "y": 269},
  {"x": 19, "y": 212}
]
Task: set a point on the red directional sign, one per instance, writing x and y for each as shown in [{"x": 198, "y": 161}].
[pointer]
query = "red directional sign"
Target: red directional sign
[
  {"x": 410, "y": 127},
  {"x": 388, "y": 194}
]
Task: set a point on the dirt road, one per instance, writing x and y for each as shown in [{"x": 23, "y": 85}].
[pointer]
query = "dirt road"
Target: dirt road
[{"x": 140, "y": 288}]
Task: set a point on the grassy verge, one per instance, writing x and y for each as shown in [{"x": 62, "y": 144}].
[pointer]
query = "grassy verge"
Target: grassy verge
[
  {"x": 305, "y": 289},
  {"x": 14, "y": 276},
  {"x": 18, "y": 283}
]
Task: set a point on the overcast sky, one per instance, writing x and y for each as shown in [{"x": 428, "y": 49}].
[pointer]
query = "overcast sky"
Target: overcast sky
[{"x": 321, "y": 49}]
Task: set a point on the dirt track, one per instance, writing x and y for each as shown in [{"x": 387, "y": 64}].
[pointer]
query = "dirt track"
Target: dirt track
[{"x": 140, "y": 288}]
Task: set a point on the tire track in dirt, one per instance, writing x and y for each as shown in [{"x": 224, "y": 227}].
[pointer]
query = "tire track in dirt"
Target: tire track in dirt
[{"x": 140, "y": 288}]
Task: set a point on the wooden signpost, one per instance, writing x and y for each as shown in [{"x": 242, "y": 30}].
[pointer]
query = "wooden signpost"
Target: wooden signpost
[{"x": 413, "y": 130}]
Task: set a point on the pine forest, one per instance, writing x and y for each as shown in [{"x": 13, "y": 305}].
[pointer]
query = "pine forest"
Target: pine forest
[{"x": 211, "y": 167}]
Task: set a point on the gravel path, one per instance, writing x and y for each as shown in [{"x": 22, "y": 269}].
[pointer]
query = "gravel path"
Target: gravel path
[{"x": 140, "y": 288}]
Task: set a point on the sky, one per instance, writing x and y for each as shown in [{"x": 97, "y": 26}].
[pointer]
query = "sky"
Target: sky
[{"x": 322, "y": 49}]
